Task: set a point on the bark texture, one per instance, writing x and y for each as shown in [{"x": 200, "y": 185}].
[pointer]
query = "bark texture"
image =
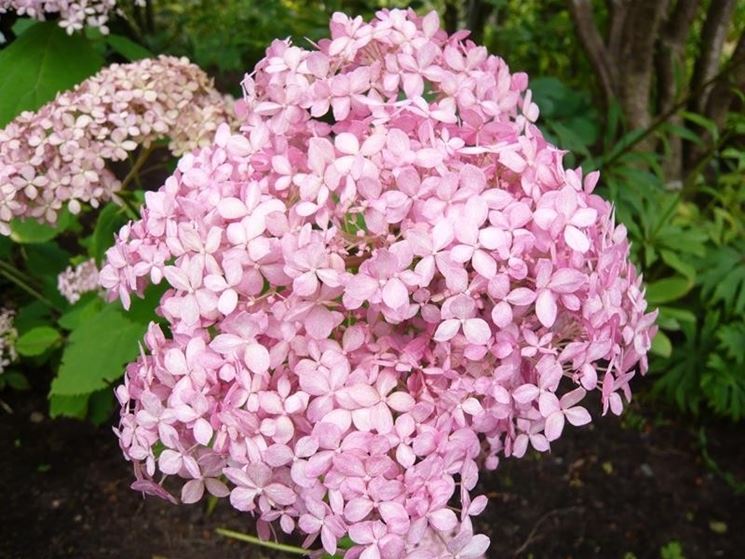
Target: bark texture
[{"x": 638, "y": 60}]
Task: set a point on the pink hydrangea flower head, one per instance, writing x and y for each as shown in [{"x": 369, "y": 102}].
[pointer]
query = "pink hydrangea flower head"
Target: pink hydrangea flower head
[{"x": 386, "y": 279}]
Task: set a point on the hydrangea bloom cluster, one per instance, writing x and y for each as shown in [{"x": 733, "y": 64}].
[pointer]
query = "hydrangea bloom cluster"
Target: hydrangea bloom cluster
[
  {"x": 77, "y": 280},
  {"x": 58, "y": 155},
  {"x": 73, "y": 14},
  {"x": 385, "y": 281},
  {"x": 8, "y": 337}
]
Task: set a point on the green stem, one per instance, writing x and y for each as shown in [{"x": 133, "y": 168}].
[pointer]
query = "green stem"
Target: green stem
[
  {"x": 256, "y": 541},
  {"x": 127, "y": 206},
  {"x": 9, "y": 268},
  {"x": 139, "y": 162},
  {"x": 12, "y": 275}
]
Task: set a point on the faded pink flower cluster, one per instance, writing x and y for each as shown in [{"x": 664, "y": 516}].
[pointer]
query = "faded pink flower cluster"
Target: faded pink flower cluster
[
  {"x": 74, "y": 281},
  {"x": 384, "y": 282},
  {"x": 57, "y": 156},
  {"x": 73, "y": 14}
]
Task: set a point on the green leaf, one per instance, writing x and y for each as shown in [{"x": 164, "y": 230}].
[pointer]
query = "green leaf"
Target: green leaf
[
  {"x": 37, "y": 340},
  {"x": 685, "y": 133},
  {"x": 673, "y": 260},
  {"x": 28, "y": 231},
  {"x": 43, "y": 61},
  {"x": 671, "y": 318},
  {"x": 723, "y": 278},
  {"x": 668, "y": 289},
  {"x": 661, "y": 345},
  {"x": 732, "y": 342},
  {"x": 128, "y": 48},
  {"x": 724, "y": 386},
  {"x": 705, "y": 123},
  {"x": 108, "y": 223},
  {"x": 97, "y": 351}
]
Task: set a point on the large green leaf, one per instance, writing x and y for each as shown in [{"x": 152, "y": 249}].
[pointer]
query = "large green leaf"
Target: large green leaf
[
  {"x": 87, "y": 307},
  {"x": 21, "y": 24},
  {"x": 97, "y": 351},
  {"x": 96, "y": 406},
  {"x": 69, "y": 406},
  {"x": 43, "y": 61}
]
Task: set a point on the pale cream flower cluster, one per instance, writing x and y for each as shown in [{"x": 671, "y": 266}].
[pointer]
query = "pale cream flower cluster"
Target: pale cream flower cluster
[
  {"x": 61, "y": 154},
  {"x": 77, "y": 280}
]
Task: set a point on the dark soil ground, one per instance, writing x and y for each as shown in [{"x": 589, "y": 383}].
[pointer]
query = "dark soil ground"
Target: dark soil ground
[{"x": 640, "y": 489}]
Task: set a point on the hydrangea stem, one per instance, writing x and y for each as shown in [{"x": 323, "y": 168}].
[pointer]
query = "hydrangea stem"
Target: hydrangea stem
[
  {"x": 15, "y": 276},
  {"x": 136, "y": 166},
  {"x": 126, "y": 204},
  {"x": 256, "y": 541}
]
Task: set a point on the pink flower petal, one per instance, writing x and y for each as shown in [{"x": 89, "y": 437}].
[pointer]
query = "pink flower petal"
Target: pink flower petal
[
  {"x": 545, "y": 308},
  {"x": 501, "y": 314},
  {"x": 256, "y": 358},
  {"x": 566, "y": 280},
  {"x": 192, "y": 491},
  {"x": 554, "y": 425},
  {"x": 280, "y": 494},
  {"x": 475, "y": 548},
  {"x": 395, "y": 293},
  {"x": 521, "y": 296},
  {"x": 576, "y": 239},
  {"x": 477, "y": 331},
  {"x": 443, "y": 520},
  {"x": 203, "y": 431},
  {"x": 447, "y": 330},
  {"x": 357, "y": 509},
  {"x": 395, "y": 517},
  {"x": 578, "y": 416}
]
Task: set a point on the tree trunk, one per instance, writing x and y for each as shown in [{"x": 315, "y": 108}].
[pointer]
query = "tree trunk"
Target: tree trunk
[
  {"x": 635, "y": 62},
  {"x": 592, "y": 42},
  {"x": 713, "y": 36},
  {"x": 670, "y": 71}
]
